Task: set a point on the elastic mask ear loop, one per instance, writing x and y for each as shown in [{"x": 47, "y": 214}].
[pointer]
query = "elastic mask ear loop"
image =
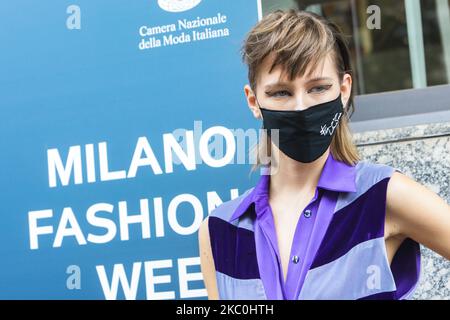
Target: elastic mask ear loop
[
  {"x": 257, "y": 101},
  {"x": 260, "y": 111},
  {"x": 265, "y": 168},
  {"x": 346, "y": 111},
  {"x": 262, "y": 117}
]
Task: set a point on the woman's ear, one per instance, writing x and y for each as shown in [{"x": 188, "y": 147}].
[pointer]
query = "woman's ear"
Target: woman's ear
[
  {"x": 251, "y": 101},
  {"x": 346, "y": 89}
]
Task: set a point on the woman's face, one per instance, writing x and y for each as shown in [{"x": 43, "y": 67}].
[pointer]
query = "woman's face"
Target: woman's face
[{"x": 321, "y": 85}]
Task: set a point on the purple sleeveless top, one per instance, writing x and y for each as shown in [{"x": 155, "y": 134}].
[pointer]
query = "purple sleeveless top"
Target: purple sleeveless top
[{"x": 338, "y": 249}]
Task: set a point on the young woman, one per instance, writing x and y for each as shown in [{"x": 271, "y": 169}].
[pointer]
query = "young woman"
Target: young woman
[{"x": 320, "y": 223}]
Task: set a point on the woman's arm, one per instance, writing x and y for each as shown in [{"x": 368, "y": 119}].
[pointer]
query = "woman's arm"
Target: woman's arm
[
  {"x": 418, "y": 213},
  {"x": 207, "y": 261}
]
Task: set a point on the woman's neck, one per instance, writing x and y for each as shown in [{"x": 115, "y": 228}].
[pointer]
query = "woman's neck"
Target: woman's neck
[{"x": 290, "y": 177}]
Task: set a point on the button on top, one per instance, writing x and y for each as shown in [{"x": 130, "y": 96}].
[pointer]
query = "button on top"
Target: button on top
[
  {"x": 295, "y": 259},
  {"x": 307, "y": 213}
]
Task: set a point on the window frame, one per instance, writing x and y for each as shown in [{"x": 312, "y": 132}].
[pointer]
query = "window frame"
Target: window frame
[{"x": 393, "y": 109}]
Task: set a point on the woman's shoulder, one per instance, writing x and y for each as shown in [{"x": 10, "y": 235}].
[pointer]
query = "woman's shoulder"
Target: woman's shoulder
[
  {"x": 370, "y": 172},
  {"x": 220, "y": 215},
  {"x": 226, "y": 209}
]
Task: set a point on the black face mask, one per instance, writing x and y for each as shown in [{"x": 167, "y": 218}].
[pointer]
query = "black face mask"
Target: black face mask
[{"x": 304, "y": 135}]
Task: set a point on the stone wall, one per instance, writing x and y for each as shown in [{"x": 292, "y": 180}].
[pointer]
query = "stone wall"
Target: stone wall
[{"x": 423, "y": 153}]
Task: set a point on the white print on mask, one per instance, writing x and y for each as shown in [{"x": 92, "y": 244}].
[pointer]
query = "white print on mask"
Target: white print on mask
[{"x": 330, "y": 129}]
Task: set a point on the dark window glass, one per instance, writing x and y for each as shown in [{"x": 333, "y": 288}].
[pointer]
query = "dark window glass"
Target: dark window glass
[{"x": 382, "y": 58}]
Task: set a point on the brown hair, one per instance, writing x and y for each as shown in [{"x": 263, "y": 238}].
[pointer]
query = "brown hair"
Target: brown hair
[{"x": 301, "y": 40}]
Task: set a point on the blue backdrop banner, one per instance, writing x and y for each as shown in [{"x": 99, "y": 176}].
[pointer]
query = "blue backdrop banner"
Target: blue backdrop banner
[{"x": 109, "y": 112}]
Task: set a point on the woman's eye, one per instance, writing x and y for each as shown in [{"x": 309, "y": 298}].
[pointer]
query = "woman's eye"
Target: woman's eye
[
  {"x": 278, "y": 93},
  {"x": 319, "y": 89}
]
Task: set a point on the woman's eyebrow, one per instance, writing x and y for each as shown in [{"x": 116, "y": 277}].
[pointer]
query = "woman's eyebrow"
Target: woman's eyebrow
[
  {"x": 319, "y": 79},
  {"x": 277, "y": 84},
  {"x": 285, "y": 84}
]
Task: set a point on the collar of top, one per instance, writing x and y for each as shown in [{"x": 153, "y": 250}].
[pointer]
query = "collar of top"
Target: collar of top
[{"x": 336, "y": 176}]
